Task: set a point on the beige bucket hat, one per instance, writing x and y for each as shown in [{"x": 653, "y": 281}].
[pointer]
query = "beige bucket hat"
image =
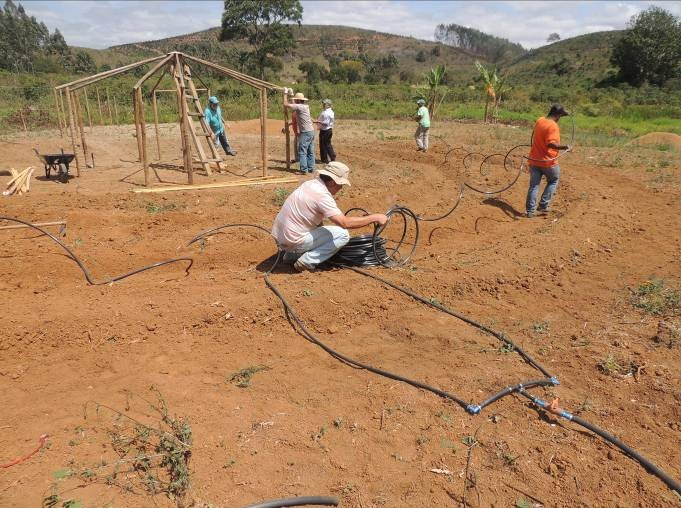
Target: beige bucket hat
[
  {"x": 300, "y": 96},
  {"x": 336, "y": 170}
]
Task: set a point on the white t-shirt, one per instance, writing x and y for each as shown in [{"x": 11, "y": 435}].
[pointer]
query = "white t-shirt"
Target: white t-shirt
[
  {"x": 326, "y": 118},
  {"x": 303, "y": 211}
]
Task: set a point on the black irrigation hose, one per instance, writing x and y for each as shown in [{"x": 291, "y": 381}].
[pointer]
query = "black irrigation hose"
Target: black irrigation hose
[
  {"x": 503, "y": 189},
  {"x": 85, "y": 271},
  {"x": 390, "y": 260},
  {"x": 297, "y": 501},
  {"x": 447, "y": 214},
  {"x": 646, "y": 463},
  {"x": 501, "y": 336},
  {"x": 362, "y": 250},
  {"x": 470, "y": 408}
]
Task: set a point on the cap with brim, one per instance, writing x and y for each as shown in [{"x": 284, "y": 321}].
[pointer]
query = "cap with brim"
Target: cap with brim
[
  {"x": 213, "y": 100},
  {"x": 338, "y": 171},
  {"x": 300, "y": 97},
  {"x": 327, "y": 102},
  {"x": 558, "y": 109},
  {"x": 420, "y": 102}
]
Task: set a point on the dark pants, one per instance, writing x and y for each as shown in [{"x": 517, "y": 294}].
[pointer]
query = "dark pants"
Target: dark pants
[
  {"x": 225, "y": 144},
  {"x": 326, "y": 151}
]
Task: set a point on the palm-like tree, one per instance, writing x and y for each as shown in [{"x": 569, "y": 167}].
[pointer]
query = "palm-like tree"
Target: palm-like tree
[
  {"x": 434, "y": 91},
  {"x": 495, "y": 87}
]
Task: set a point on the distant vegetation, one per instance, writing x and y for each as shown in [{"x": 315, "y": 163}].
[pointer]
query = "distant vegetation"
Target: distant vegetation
[
  {"x": 492, "y": 48},
  {"x": 373, "y": 75}
]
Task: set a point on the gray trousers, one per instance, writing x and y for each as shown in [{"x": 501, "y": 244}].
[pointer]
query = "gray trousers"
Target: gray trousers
[{"x": 421, "y": 137}]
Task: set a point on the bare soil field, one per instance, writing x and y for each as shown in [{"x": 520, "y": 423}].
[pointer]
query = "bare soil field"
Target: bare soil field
[{"x": 305, "y": 423}]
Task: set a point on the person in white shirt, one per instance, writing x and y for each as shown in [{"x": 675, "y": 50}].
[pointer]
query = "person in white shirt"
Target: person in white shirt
[
  {"x": 298, "y": 228},
  {"x": 305, "y": 128},
  {"x": 325, "y": 123}
]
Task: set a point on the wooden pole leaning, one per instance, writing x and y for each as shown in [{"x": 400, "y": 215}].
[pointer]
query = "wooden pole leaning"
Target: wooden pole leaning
[
  {"x": 143, "y": 130},
  {"x": 154, "y": 105},
  {"x": 72, "y": 129},
  {"x": 99, "y": 106},
  {"x": 59, "y": 112},
  {"x": 184, "y": 119},
  {"x": 79, "y": 83},
  {"x": 87, "y": 109},
  {"x": 79, "y": 117},
  {"x": 63, "y": 108},
  {"x": 136, "y": 118},
  {"x": 263, "y": 129},
  {"x": 287, "y": 125},
  {"x": 115, "y": 110},
  {"x": 108, "y": 106}
]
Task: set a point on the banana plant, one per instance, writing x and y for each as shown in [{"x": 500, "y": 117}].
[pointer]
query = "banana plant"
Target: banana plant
[{"x": 434, "y": 90}]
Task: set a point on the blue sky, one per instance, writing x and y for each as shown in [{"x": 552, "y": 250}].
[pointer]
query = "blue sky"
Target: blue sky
[{"x": 99, "y": 24}]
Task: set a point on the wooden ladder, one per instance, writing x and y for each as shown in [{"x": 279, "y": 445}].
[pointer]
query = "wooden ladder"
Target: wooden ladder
[{"x": 194, "y": 111}]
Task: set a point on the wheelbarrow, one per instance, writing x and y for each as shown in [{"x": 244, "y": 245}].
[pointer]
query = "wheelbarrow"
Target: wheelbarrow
[{"x": 57, "y": 162}]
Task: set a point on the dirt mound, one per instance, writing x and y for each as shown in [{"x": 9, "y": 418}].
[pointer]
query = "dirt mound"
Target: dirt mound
[{"x": 659, "y": 138}]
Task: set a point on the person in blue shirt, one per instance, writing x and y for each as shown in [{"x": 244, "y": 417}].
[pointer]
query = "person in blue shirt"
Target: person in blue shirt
[{"x": 213, "y": 116}]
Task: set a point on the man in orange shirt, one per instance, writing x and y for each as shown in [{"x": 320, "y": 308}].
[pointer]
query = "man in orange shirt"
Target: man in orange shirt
[{"x": 542, "y": 159}]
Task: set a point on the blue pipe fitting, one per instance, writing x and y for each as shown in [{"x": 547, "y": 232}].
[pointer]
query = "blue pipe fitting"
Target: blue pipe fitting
[
  {"x": 554, "y": 381},
  {"x": 473, "y": 409}
]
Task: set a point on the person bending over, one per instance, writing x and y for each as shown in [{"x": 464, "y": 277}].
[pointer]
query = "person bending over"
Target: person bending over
[{"x": 297, "y": 228}]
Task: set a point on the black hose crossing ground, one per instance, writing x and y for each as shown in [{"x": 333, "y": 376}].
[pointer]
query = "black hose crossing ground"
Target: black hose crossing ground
[
  {"x": 297, "y": 501},
  {"x": 81, "y": 265},
  {"x": 472, "y": 409}
]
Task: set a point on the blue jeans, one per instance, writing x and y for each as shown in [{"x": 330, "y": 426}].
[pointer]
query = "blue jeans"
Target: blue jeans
[
  {"x": 319, "y": 245},
  {"x": 306, "y": 151},
  {"x": 552, "y": 175}
]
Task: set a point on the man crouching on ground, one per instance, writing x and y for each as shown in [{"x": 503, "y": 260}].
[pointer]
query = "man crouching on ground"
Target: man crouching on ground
[{"x": 297, "y": 228}]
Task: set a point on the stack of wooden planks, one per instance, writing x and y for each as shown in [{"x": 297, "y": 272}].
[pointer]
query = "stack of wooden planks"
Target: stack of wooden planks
[{"x": 20, "y": 182}]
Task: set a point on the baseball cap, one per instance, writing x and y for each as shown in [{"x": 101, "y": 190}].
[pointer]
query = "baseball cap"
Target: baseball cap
[{"x": 213, "y": 100}]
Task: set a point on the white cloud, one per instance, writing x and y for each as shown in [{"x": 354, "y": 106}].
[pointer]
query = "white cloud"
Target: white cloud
[{"x": 106, "y": 23}]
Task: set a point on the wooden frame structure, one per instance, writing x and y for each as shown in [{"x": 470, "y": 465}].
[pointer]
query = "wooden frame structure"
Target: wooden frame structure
[{"x": 177, "y": 66}]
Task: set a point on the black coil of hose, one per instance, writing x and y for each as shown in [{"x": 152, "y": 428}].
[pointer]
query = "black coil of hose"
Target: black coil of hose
[{"x": 359, "y": 251}]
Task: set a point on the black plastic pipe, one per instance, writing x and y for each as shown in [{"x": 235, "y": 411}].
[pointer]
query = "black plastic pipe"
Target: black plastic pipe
[{"x": 297, "y": 501}]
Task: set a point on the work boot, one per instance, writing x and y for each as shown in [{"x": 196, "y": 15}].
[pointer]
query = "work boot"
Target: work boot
[{"x": 232, "y": 153}]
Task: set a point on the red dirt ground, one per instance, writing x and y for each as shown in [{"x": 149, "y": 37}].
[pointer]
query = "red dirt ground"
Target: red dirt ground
[{"x": 558, "y": 285}]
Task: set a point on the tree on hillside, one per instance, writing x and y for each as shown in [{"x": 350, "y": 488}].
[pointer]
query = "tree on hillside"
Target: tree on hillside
[
  {"x": 650, "y": 50},
  {"x": 488, "y": 46},
  {"x": 553, "y": 37},
  {"x": 262, "y": 24},
  {"x": 314, "y": 73}
]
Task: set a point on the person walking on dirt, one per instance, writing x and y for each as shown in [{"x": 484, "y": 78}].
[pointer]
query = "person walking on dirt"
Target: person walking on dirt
[
  {"x": 423, "y": 118},
  {"x": 542, "y": 159},
  {"x": 325, "y": 123},
  {"x": 297, "y": 228},
  {"x": 213, "y": 117},
  {"x": 305, "y": 128}
]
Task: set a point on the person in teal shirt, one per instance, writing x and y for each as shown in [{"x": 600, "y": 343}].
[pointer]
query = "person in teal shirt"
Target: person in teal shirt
[
  {"x": 423, "y": 118},
  {"x": 213, "y": 117}
]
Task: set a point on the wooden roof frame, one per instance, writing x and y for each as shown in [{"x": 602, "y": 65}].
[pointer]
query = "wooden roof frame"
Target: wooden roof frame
[{"x": 162, "y": 64}]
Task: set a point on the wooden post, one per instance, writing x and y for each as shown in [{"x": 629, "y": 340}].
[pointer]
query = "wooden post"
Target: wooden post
[
  {"x": 184, "y": 119},
  {"x": 158, "y": 138},
  {"x": 263, "y": 129},
  {"x": 99, "y": 105},
  {"x": 79, "y": 117},
  {"x": 87, "y": 108},
  {"x": 138, "y": 133},
  {"x": 72, "y": 128},
  {"x": 115, "y": 110},
  {"x": 108, "y": 105},
  {"x": 143, "y": 130},
  {"x": 63, "y": 108},
  {"x": 287, "y": 125},
  {"x": 59, "y": 112},
  {"x": 21, "y": 115}
]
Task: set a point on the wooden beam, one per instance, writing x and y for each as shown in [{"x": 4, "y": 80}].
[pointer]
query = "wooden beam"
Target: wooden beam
[
  {"x": 158, "y": 137},
  {"x": 99, "y": 105},
  {"x": 87, "y": 109},
  {"x": 115, "y": 110},
  {"x": 187, "y": 147},
  {"x": 63, "y": 108},
  {"x": 263, "y": 129},
  {"x": 143, "y": 130},
  {"x": 41, "y": 224},
  {"x": 79, "y": 117},
  {"x": 136, "y": 119},
  {"x": 287, "y": 125},
  {"x": 79, "y": 83},
  {"x": 263, "y": 181},
  {"x": 59, "y": 112},
  {"x": 254, "y": 82},
  {"x": 108, "y": 106},
  {"x": 72, "y": 129},
  {"x": 152, "y": 71}
]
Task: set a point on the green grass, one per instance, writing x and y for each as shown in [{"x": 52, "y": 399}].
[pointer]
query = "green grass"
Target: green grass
[{"x": 656, "y": 297}]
